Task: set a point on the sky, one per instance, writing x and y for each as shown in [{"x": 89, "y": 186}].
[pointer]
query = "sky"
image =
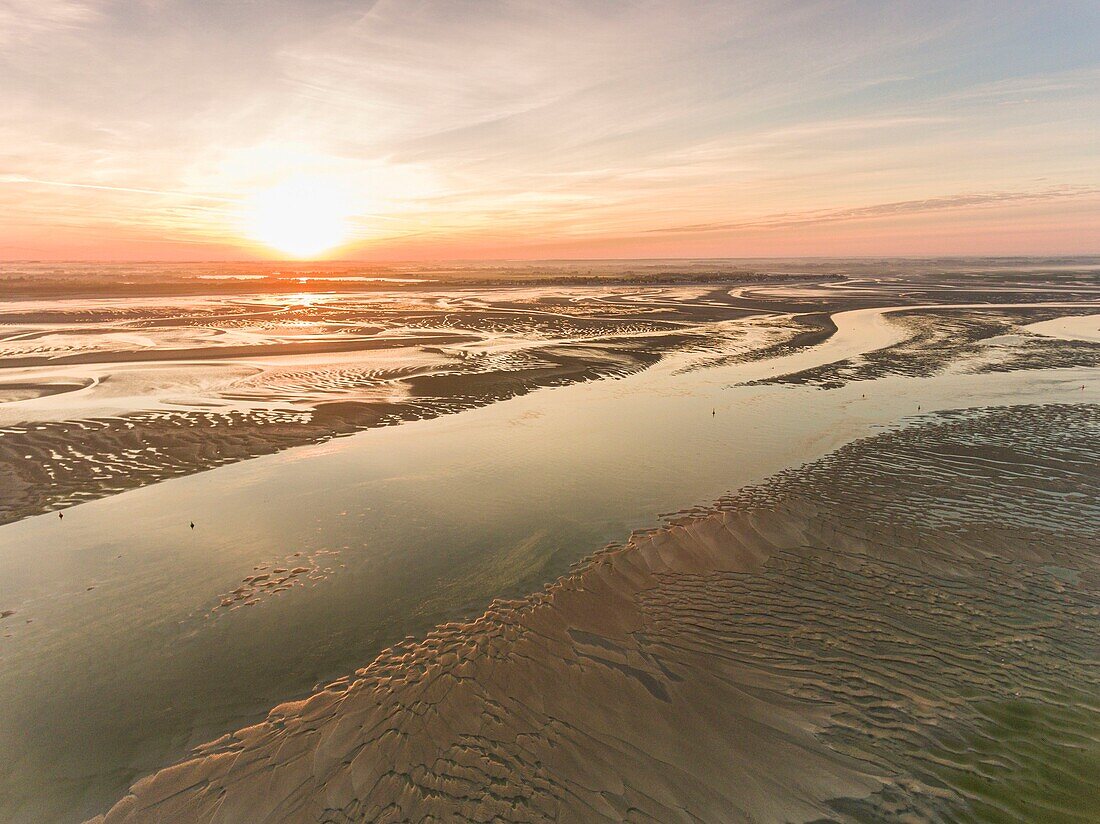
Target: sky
[{"x": 484, "y": 129}]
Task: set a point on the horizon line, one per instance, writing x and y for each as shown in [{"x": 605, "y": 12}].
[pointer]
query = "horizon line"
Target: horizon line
[{"x": 399, "y": 261}]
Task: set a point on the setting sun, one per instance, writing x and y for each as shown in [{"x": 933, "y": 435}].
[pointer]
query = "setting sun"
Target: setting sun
[
  {"x": 679, "y": 410},
  {"x": 302, "y": 218}
]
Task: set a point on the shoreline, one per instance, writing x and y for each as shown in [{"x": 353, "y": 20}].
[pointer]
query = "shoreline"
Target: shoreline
[
  {"x": 657, "y": 624},
  {"x": 401, "y": 530},
  {"x": 46, "y": 473}
]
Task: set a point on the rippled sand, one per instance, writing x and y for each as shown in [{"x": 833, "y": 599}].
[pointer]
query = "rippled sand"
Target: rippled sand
[
  {"x": 108, "y": 393},
  {"x": 118, "y": 393},
  {"x": 905, "y": 630}
]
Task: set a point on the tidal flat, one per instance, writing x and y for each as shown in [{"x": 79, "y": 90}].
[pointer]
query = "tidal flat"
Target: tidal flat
[{"x": 784, "y": 542}]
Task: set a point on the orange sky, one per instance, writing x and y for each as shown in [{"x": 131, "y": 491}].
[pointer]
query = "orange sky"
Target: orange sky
[{"x": 168, "y": 130}]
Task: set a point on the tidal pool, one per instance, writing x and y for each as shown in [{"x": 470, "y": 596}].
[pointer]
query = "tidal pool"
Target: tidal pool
[{"x": 120, "y": 655}]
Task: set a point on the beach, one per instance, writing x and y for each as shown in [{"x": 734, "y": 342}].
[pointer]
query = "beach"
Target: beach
[
  {"x": 822, "y": 646},
  {"x": 794, "y": 548},
  {"x": 549, "y": 412}
]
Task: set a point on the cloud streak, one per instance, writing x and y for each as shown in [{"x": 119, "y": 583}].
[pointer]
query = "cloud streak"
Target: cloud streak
[
  {"x": 20, "y": 19},
  {"x": 889, "y": 210},
  {"x": 21, "y": 180},
  {"x": 491, "y": 125}
]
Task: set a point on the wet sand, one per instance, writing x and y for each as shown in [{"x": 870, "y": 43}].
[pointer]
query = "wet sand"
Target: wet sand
[
  {"x": 835, "y": 638},
  {"x": 847, "y": 642},
  {"x": 117, "y": 394},
  {"x": 109, "y": 394},
  {"x": 927, "y": 340}
]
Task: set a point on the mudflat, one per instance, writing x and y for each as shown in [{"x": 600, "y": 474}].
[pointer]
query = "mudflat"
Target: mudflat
[
  {"x": 888, "y": 634},
  {"x": 807, "y": 541}
]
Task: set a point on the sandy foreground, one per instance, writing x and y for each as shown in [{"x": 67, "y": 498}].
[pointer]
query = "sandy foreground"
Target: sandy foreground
[{"x": 905, "y": 630}]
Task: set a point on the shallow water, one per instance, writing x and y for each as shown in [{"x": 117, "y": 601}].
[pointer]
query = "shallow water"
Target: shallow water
[
  {"x": 860, "y": 331},
  {"x": 126, "y": 661},
  {"x": 1084, "y": 327}
]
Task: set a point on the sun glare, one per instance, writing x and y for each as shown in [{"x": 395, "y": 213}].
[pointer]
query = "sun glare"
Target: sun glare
[{"x": 302, "y": 218}]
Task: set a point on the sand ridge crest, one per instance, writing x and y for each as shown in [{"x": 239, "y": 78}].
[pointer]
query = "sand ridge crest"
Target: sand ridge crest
[{"x": 821, "y": 662}]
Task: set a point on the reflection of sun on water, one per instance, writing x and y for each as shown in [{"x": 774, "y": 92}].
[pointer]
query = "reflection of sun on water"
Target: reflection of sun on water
[
  {"x": 302, "y": 299},
  {"x": 303, "y": 217}
]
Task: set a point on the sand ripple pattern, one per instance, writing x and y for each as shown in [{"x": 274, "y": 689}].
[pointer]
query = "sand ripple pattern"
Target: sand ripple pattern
[
  {"x": 372, "y": 360},
  {"x": 904, "y": 631},
  {"x": 992, "y": 340}
]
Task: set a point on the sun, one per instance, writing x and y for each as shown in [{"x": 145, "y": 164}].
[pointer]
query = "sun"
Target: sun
[{"x": 303, "y": 217}]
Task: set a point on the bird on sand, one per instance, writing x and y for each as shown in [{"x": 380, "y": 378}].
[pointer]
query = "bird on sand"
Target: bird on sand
[
  {"x": 61, "y": 516},
  {"x": 192, "y": 524}
]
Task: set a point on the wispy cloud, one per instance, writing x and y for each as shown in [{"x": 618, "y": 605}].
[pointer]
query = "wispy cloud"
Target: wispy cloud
[
  {"x": 22, "y": 180},
  {"x": 24, "y": 19},
  {"x": 508, "y": 122},
  {"x": 885, "y": 210}
]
